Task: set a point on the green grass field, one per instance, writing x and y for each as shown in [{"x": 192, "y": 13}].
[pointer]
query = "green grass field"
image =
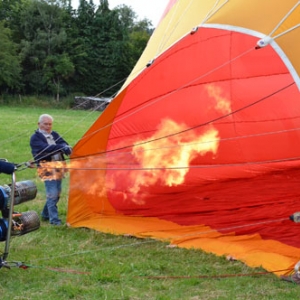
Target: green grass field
[{"x": 69, "y": 263}]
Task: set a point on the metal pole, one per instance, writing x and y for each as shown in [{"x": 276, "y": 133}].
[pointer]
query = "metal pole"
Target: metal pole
[{"x": 11, "y": 210}]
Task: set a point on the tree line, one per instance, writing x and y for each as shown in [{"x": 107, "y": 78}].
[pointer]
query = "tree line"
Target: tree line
[{"x": 50, "y": 48}]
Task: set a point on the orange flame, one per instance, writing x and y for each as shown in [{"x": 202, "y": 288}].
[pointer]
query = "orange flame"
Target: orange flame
[
  {"x": 165, "y": 161},
  {"x": 98, "y": 185},
  {"x": 54, "y": 170},
  {"x": 222, "y": 104},
  {"x": 168, "y": 159},
  {"x": 163, "y": 158}
]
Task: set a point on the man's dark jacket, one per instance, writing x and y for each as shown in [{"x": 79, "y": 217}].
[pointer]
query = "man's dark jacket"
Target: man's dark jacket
[{"x": 41, "y": 150}]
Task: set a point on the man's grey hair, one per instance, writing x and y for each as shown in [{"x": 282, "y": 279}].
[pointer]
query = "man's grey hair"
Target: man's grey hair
[{"x": 45, "y": 116}]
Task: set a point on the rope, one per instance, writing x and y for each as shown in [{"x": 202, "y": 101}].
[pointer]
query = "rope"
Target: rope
[
  {"x": 71, "y": 271},
  {"x": 165, "y": 37},
  {"x": 214, "y": 9},
  {"x": 25, "y": 164},
  {"x": 97, "y": 250},
  {"x": 210, "y": 141},
  {"x": 287, "y": 31},
  {"x": 23, "y": 265},
  {"x": 191, "y": 128},
  {"x": 215, "y": 276},
  {"x": 160, "y": 98},
  {"x": 283, "y": 19},
  {"x": 153, "y": 241},
  {"x": 178, "y": 167},
  {"x": 182, "y": 131}
]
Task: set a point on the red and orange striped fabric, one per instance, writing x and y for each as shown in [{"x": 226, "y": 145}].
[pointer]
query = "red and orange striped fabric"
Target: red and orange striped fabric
[{"x": 201, "y": 145}]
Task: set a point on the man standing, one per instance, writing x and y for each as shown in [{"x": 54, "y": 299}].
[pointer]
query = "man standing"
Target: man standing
[{"x": 48, "y": 147}]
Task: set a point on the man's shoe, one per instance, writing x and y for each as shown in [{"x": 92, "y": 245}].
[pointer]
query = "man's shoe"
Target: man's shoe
[{"x": 56, "y": 224}]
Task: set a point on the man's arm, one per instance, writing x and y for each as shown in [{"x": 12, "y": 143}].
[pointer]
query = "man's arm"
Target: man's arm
[{"x": 6, "y": 167}]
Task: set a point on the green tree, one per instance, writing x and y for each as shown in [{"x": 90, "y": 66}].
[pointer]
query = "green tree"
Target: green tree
[
  {"x": 9, "y": 61},
  {"x": 90, "y": 50},
  {"x": 56, "y": 69},
  {"x": 44, "y": 38},
  {"x": 109, "y": 40},
  {"x": 139, "y": 36},
  {"x": 8, "y": 9},
  {"x": 79, "y": 34},
  {"x": 112, "y": 49}
]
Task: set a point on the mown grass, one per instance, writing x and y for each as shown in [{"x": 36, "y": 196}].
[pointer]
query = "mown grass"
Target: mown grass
[{"x": 69, "y": 263}]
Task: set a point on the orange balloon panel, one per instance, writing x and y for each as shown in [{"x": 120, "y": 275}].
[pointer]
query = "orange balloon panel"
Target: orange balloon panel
[{"x": 204, "y": 140}]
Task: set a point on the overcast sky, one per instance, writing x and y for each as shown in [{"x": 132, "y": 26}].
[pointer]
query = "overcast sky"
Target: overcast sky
[{"x": 150, "y": 9}]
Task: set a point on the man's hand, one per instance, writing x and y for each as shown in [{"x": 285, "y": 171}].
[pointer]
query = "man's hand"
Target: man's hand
[{"x": 67, "y": 150}]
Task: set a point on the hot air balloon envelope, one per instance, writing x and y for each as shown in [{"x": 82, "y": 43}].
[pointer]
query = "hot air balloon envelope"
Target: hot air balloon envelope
[{"x": 201, "y": 145}]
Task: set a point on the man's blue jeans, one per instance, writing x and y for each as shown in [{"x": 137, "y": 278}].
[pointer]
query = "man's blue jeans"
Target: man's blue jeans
[{"x": 50, "y": 211}]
